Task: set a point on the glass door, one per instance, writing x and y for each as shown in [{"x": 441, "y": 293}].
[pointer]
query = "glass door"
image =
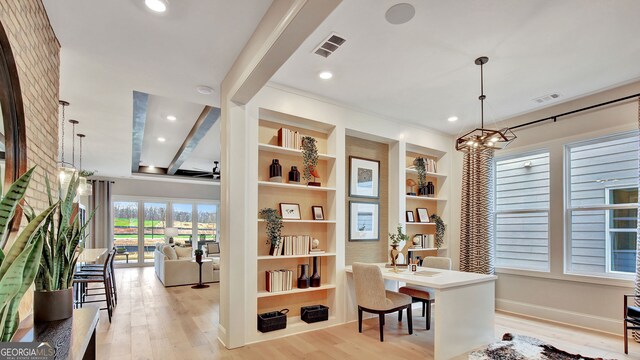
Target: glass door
[
  {"x": 183, "y": 221},
  {"x": 125, "y": 231},
  {"x": 155, "y": 221}
]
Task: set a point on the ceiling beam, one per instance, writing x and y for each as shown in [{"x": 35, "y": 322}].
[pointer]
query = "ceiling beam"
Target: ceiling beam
[
  {"x": 205, "y": 121},
  {"x": 140, "y": 104}
]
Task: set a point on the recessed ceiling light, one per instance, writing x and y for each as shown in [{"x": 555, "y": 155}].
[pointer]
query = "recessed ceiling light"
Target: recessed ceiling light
[
  {"x": 161, "y": 139},
  {"x": 159, "y": 6},
  {"x": 452, "y": 119},
  {"x": 325, "y": 75},
  {"x": 400, "y": 14},
  {"x": 172, "y": 118},
  {"x": 205, "y": 90}
]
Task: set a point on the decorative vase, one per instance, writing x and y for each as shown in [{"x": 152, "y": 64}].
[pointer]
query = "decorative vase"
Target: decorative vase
[
  {"x": 315, "y": 278},
  {"x": 275, "y": 171},
  {"x": 423, "y": 190},
  {"x": 52, "y": 305},
  {"x": 294, "y": 175},
  {"x": 198, "y": 258},
  {"x": 303, "y": 279},
  {"x": 272, "y": 250},
  {"x": 394, "y": 254},
  {"x": 431, "y": 190}
]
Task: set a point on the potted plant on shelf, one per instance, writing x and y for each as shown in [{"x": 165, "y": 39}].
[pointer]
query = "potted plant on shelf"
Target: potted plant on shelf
[
  {"x": 440, "y": 228},
  {"x": 199, "y": 254},
  {"x": 310, "y": 160},
  {"x": 63, "y": 240},
  {"x": 419, "y": 164},
  {"x": 396, "y": 239},
  {"x": 274, "y": 228},
  {"x": 19, "y": 263}
]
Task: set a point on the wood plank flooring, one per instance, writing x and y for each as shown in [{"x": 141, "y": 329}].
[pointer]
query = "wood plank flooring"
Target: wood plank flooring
[{"x": 153, "y": 322}]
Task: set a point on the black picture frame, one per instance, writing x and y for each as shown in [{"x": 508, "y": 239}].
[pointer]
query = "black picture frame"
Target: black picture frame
[
  {"x": 410, "y": 217},
  {"x": 374, "y": 168},
  {"x": 423, "y": 211},
  {"x": 362, "y": 235},
  {"x": 314, "y": 214}
]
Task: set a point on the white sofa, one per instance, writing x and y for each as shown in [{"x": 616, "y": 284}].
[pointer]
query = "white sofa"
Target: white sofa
[{"x": 174, "y": 266}]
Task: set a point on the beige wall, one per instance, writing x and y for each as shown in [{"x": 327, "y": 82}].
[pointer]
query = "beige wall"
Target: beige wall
[
  {"x": 584, "y": 301},
  {"x": 368, "y": 251},
  {"x": 36, "y": 52}
]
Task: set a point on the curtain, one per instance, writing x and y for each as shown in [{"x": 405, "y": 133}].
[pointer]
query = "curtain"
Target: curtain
[
  {"x": 102, "y": 223},
  {"x": 476, "y": 225},
  {"x": 636, "y": 334}
]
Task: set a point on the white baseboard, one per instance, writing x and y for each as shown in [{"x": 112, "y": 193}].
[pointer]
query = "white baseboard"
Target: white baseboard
[{"x": 571, "y": 318}]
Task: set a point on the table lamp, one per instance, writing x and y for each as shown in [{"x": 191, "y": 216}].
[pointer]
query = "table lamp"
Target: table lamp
[{"x": 170, "y": 233}]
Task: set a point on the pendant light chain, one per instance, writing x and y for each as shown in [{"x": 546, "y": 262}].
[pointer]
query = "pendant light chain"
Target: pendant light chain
[{"x": 482, "y": 97}]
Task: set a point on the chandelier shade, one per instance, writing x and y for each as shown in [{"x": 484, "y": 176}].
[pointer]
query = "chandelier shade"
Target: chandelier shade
[{"x": 482, "y": 138}]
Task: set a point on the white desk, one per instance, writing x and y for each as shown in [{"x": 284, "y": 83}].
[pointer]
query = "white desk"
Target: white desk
[
  {"x": 91, "y": 255},
  {"x": 464, "y": 309}
]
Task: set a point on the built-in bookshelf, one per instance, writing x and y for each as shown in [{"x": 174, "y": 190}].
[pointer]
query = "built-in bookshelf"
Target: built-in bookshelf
[
  {"x": 271, "y": 194},
  {"x": 435, "y": 204}
]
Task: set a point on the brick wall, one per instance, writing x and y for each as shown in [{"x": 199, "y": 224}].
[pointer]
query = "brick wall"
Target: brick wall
[{"x": 37, "y": 54}]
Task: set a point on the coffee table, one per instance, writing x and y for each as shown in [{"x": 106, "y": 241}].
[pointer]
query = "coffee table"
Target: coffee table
[{"x": 200, "y": 285}]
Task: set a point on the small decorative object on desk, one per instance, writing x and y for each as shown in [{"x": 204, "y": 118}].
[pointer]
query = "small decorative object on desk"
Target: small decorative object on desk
[
  {"x": 290, "y": 211},
  {"x": 274, "y": 228},
  {"x": 413, "y": 267},
  {"x": 294, "y": 175},
  {"x": 275, "y": 171},
  {"x": 431, "y": 190},
  {"x": 199, "y": 254},
  {"x": 314, "y": 313},
  {"x": 270, "y": 321},
  {"x": 419, "y": 164},
  {"x": 318, "y": 212},
  {"x": 310, "y": 160},
  {"x": 396, "y": 239}
]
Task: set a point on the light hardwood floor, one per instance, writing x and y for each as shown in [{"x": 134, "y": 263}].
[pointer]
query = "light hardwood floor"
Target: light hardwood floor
[{"x": 153, "y": 322}]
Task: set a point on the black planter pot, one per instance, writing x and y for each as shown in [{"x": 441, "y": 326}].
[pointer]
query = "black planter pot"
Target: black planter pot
[
  {"x": 52, "y": 305},
  {"x": 198, "y": 258},
  {"x": 423, "y": 191}
]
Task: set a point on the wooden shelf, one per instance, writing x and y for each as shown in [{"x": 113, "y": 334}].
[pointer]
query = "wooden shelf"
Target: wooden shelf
[
  {"x": 420, "y": 223},
  {"x": 287, "y": 151},
  {"x": 269, "y": 257},
  {"x": 304, "y": 221},
  {"x": 296, "y": 325},
  {"x": 263, "y": 294},
  {"x": 429, "y": 174},
  {"x": 426, "y": 249},
  {"x": 294, "y": 186},
  {"x": 425, "y": 198}
]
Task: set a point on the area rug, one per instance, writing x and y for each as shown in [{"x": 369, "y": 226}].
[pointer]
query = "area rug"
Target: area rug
[{"x": 517, "y": 347}]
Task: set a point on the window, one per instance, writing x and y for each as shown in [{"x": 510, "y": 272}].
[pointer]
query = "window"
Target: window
[
  {"x": 521, "y": 219},
  {"x": 207, "y": 222},
  {"x": 155, "y": 217},
  {"x": 125, "y": 230},
  {"x": 183, "y": 221},
  {"x": 602, "y": 203}
]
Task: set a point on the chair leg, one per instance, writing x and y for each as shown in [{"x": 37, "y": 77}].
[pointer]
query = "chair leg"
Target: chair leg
[
  {"x": 359, "y": 319},
  {"x": 400, "y": 315},
  {"x": 423, "y": 308},
  {"x": 381, "y": 321},
  {"x": 410, "y": 320},
  {"x": 428, "y": 317},
  {"x": 108, "y": 298},
  {"x": 384, "y": 319},
  {"x": 626, "y": 339}
]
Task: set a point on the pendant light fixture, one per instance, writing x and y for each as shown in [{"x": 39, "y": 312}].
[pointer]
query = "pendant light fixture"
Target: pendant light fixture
[
  {"x": 66, "y": 170},
  {"x": 84, "y": 188},
  {"x": 484, "y": 139}
]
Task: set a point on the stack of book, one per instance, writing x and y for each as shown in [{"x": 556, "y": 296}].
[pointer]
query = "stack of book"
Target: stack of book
[
  {"x": 279, "y": 280},
  {"x": 289, "y": 139},
  {"x": 430, "y": 165},
  {"x": 294, "y": 245}
]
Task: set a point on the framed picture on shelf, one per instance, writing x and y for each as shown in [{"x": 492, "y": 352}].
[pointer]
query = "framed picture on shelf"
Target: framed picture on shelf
[
  {"x": 423, "y": 215},
  {"x": 290, "y": 211},
  {"x": 364, "y": 222},
  {"x": 364, "y": 177},
  {"x": 318, "y": 212},
  {"x": 410, "y": 217}
]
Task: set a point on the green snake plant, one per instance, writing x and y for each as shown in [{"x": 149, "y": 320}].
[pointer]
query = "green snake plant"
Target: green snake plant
[
  {"x": 18, "y": 263},
  {"x": 63, "y": 237}
]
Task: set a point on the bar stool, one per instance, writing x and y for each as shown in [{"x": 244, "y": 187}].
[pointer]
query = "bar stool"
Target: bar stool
[
  {"x": 98, "y": 268},
  {"x": 81, "y": 280}
]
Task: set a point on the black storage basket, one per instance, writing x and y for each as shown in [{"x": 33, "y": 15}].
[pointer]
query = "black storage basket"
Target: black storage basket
[
  {"x": 314, "y": 313},
  {"x": 275, "y": 320}
]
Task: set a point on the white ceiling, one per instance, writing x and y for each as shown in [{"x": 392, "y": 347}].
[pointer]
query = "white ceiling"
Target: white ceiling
[
  {"x": 111, "y": 48},
  {"x": 423, "y": 71}
]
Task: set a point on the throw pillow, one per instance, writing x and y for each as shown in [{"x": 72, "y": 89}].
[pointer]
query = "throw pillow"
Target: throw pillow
[
  {"x": 183, "y": 252},
  {"x": 170, "y": 252}
]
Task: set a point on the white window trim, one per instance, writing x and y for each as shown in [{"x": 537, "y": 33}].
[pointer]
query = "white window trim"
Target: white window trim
[
  {"x": 508, "y": 269},
  {"x": 617, "y": 278}
]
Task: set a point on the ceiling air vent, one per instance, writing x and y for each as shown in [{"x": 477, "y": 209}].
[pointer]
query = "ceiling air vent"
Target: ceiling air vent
[
  {"x": 329, "y": 45},
  {"x": 546, "y": 98}
]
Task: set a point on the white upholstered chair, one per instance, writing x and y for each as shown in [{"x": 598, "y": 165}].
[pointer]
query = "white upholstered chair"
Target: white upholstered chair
[
  {"x": 422, "y": 294},
  {"x": 372, "y": 297}
]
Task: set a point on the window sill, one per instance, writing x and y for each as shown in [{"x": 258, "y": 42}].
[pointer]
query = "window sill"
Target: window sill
[{"x": 600, "y": 280}]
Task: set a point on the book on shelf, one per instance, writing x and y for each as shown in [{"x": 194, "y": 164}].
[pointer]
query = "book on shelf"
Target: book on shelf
[
  {"x": 289, "y": 139},
  {"x": 316, "y": 251},
  {"x": 430, "y": 166},
  {"x": 278, "y": 280},
  {"x": 293, "y": 245}
]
